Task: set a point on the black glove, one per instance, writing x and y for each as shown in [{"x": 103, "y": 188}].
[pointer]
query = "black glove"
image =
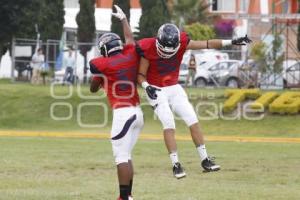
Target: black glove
[
  {"x": 151, "y": 92},
  {"x": 241, "y": 41}
]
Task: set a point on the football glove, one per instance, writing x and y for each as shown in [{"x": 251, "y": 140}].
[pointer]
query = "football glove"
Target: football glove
[
  {"x": 119, "y": 14},
  {"x": 151, "y": 92},
  {"x": 241, "y": 41}
]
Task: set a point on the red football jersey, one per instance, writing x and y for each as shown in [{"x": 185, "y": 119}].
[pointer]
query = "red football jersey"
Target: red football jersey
[
  {"x": 162, "y": 72},
  {"x": 120, "y": 72}
]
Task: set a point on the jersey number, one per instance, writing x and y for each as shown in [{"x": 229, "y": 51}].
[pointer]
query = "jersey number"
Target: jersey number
[{"x": 126, "y": 75}]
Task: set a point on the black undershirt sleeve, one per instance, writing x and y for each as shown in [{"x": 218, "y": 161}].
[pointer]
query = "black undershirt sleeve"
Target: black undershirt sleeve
[
  {"x": 94, "y": 69},
  {"x": 139, "y": 50}
]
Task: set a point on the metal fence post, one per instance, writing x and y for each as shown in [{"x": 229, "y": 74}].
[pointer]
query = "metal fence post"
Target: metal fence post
[
  {"x": 13, "y": 44},
  {"x": 76, "y": 51}
]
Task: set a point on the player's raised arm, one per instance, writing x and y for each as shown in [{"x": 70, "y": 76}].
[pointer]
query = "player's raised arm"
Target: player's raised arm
[
  {"x": 126, "y": 27},
  {"x": 217, "y": 44},
  {"x": 143, "y": 68}
]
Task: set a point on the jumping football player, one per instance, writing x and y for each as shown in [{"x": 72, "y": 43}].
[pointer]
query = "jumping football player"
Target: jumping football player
[
  {"x": 116, "y": 72},
  {"x": 158, "y": 74}
]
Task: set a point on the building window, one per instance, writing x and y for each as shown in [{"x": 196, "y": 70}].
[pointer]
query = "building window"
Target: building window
[
  {"x": 286, "y": 7},
  {"x": 223, "y": 5},
  {"x": 70, "y": 36},
  {"x": 244, "y": 6},
  {"x": 71, "y": 3}
]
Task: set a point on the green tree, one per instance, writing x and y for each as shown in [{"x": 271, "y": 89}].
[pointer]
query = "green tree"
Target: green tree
[
  {"x": 190, "y": 11},
  {"x": 258, "y": 54},
  {"x": 199, "y": 31},
  {"x": 86, "y": 29},
  {"x": 116, "y": 27},
  {"x": 269, "y": 59},
  {"x": 30, "y": 15},
  {"x": 47, "y": 14},
  {"x": 276, "y": 55},
  {"x": 52, "y": 19},
  {"x": 11, "y": 13},
  {"x": 18, "y": 19},
  {"x": 154, "y": 14}
]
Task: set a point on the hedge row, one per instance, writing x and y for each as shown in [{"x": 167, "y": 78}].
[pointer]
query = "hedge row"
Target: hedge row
[
  {"x": 264, "y": 100},
  {"x": 287, "y": 103},
  {"x": 238, "y": 95}
]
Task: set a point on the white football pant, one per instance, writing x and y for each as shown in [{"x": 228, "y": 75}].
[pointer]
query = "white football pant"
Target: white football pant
[
  {"x": 126, "y": 126},
  {"x": 173, "y": 98}
]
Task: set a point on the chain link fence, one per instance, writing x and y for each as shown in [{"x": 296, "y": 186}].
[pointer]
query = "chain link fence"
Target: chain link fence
[
  {"x": 233, "y": 70},
  {"x": 53, "y": 67}
]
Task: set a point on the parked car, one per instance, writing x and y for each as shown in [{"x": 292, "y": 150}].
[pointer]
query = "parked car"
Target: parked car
[
  {"x": 203, "y": 58},
  {"x": 220, "y": 73},
  {"x": 291, "y": 73}
]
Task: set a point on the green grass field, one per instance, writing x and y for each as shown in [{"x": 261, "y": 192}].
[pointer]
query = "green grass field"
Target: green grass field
[
  {"x": 83, "y": 169},
  {"x": 26, "y": 107},
  {"x": 35, "y": 168}
]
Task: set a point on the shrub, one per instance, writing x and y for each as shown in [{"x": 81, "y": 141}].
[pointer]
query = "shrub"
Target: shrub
[
  {"x": 238, "y": 95},
  {"x": 264, "y": 100},
  {"x": 287, "y": 103},
  {"x": 258, "y": 54},
  {"x": 199, "y": 31}
]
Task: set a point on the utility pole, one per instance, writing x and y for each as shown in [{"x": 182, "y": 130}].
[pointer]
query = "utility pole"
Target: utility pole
[
  {"x": 274, "y": 20},
  {"x": 13, "y": 57}
]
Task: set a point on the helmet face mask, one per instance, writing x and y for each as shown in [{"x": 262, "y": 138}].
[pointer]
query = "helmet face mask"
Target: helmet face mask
[
  {"x": 168, "y": 41},
  {"x": 109, "y": 43}
]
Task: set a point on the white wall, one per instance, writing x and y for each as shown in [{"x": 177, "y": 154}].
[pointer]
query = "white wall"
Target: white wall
[
  {"x": 102, "y": 18},
  {"x": 5, "y": 68}
]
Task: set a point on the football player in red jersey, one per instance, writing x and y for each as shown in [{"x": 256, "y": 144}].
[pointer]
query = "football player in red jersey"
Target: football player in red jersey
[
  {"x": 116, "y": 72},
  {"x": 158, "y": 74}
]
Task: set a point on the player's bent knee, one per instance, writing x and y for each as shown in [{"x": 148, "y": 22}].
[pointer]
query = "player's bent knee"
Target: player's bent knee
[
  {"x": 167, "y": 120},
  {"x": 121, "y": 156},
  {"x": 122, "y": 159},
  {"x": 168, "y": 124},
  {"x": 192, "y": 121}
]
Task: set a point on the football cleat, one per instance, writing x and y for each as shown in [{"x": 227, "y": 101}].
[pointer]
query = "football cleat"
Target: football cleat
[
  {"x": 209, "y": 166},
  {"x": 178, "y": 171}
]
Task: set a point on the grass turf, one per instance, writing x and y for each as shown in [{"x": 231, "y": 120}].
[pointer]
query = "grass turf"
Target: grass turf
[
  {"x": 83, "y": 169},
  {"x": 27, "y": 107}
]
